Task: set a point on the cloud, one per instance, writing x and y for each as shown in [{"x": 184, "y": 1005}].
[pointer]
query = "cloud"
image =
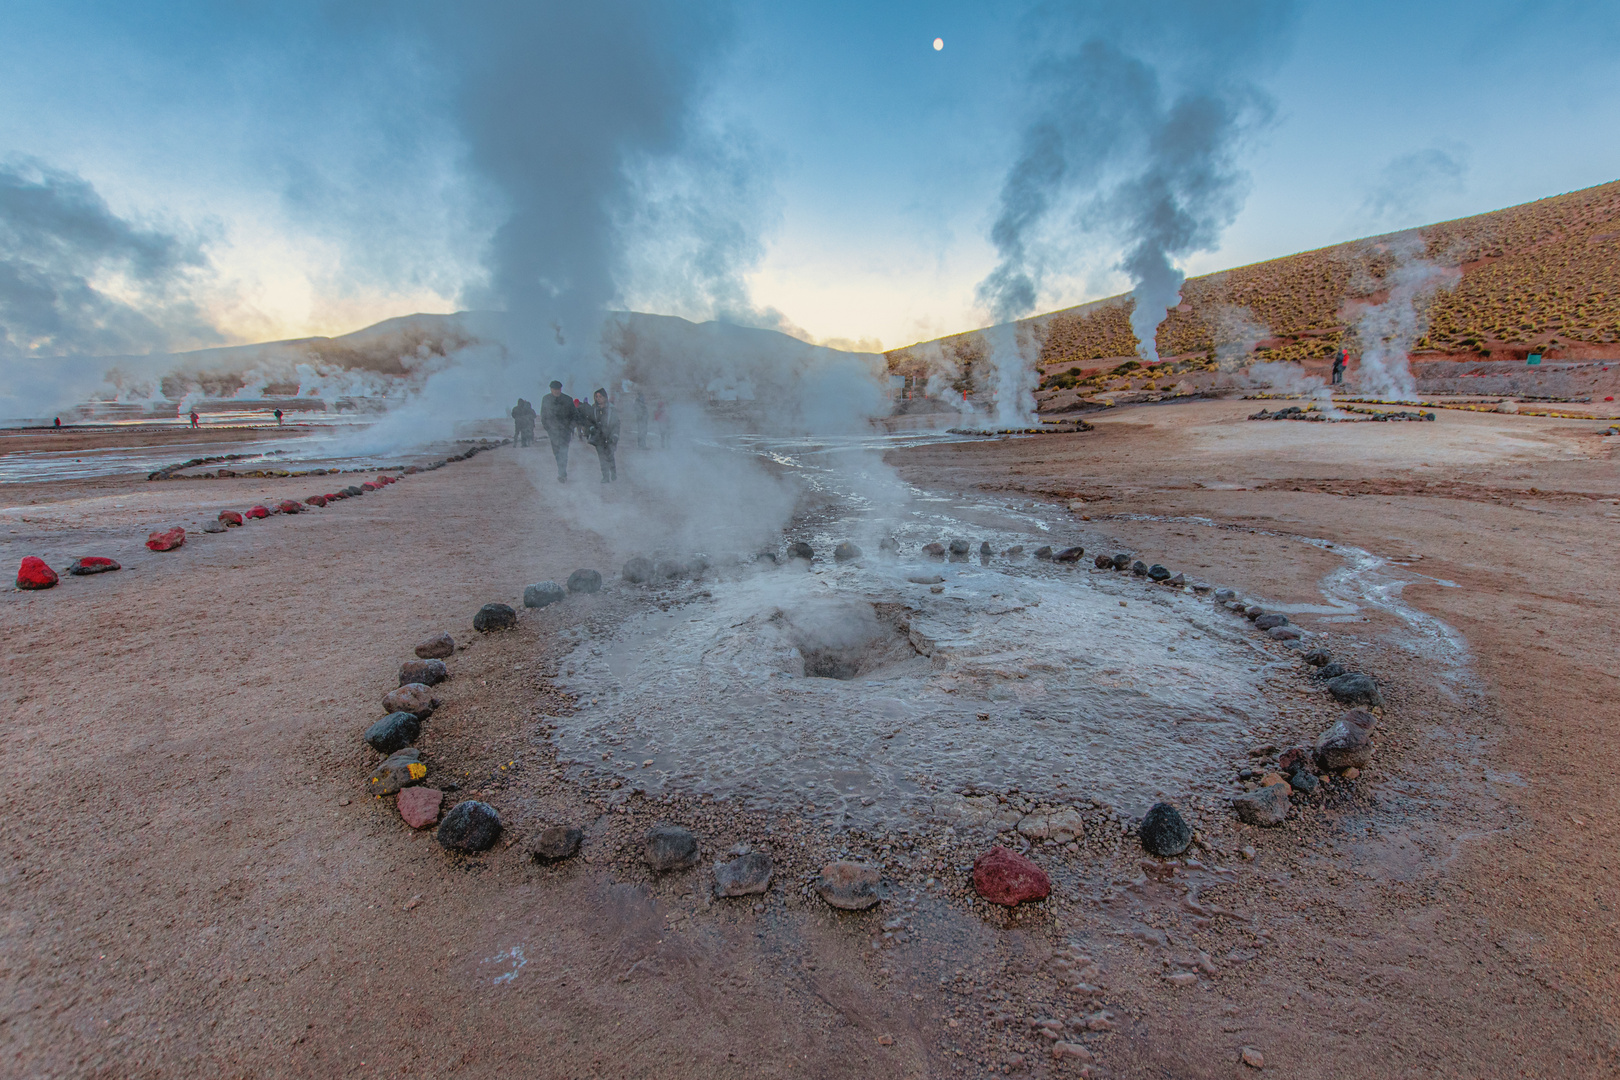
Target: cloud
[{"x": 1408, "y": 185}]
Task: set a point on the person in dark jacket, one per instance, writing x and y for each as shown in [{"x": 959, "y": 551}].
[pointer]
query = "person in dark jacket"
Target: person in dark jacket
[
  {"x": 523, "y": 423},
  {"x": 1338, "y": 368},
  {"x": 602, "y": 432},
  {"x": 558, "y": 416}
]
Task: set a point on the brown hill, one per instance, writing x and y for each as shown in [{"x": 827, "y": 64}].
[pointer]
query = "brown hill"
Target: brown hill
[{"x": 1541, "y": 277}]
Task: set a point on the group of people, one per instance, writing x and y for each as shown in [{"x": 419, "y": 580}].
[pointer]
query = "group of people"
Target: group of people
[{"x": 561, "y": 416}]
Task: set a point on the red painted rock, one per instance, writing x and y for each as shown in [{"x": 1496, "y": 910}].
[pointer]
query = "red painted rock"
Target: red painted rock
[
  {"x": 386, "y": 479},
  {"x": 1007, "y": 878},
  {"x": 369, "y": 486},
  {"x": 93, "y": 564},
  {"x": 290, "y": 506},
  {"x": 419, "y": 806},
  {"x": 34, "y": 574},
  {"x": 336, "y": 495},
  {"x": 230, "y": 517},
  {"x": 258, "y": 512},
  {"x": 316, "y": 500},
  {"x": 168, "y": 540}
]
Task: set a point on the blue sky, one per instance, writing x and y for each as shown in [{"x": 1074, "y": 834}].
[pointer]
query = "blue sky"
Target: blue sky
[{"x": 318, "y": 154}]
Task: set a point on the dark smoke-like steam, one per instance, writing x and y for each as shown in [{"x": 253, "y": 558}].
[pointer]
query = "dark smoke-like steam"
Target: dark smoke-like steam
[
  {"x": 76, "y": 279},
  {"x": 1139, "y": 113}
]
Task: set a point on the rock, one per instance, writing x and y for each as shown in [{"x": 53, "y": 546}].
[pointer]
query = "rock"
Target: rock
[
  {"x": 1293, "y": 758},
  {"x": 1273, "y": 778},
  {"x": 399, "y": 770},
  {"x": 669, "y": 570},
  {"x": 419, "y": 806},
  {"x": 353, "y": 491},
  {"x": 167, "y": 540},
  {"x": 213, "y": 526},
  {"x": 1158, "y": 573},
  {"x": 470, "y": 826},
  {"x": 230, "y": 517},
  {"x": 426, "y": 672},
  {"x": 1351, "y": 773},
  {"x": 851, "y": 886},
  {"x": 93, "y": 564},
  {"x": 394, "y": 732},
  {"x": 1253, "y": 611},
  {"x": 1007, "y": 878},
  {"x": 1103, "y": 562},
  {"x": 318, "y": 500},
  {"x": 670, "y": 847},
  {"x": 1318, "y": 657},
  {"x": 985, "y": 550},
  {"x": 1164, "y": 832},
  {"x": 257, "y": 512},
  {"x": 1178, "y": 580},
  {"x": 543, "y": 593},
  {"x": 35, "y": 573},
  {"x": 888, "y": 543},
  {"x": 584, "y": 581},
  {"x": 846, "y": 551},
  {"x": 413, "y": 698},
  {"x": 1283, "y": 633},
  {"x": 1303, "y": 781},
  {"x": 1267, "y": 806},
  {"x": 1139, "y": 568},
  {"x": 494, "y": 617},
  {"x": 369, "y": 486},
  {"x": 743, "y": 876},
  {"x": 1330, "y": 670},
  {"x": 1253, "y": 1058},
  {"x": 934, "y": 549},
  {"x": 1361, "y": 718},
  {"x": 290, "y": 506},
  {"x": 959, "y": 547},
  {"x": 1063, "y": 824},
  {"x": 1067, "y": 1051},
  {"x": 801, "y": 550},
  {"x": 925, "y": 579},
  {"x": 1266, "y": 622},
  {"x": 1343, "y": 746},
  {"x": 557, "y": 842},
  {"x": 1043, "y": 552},
  {"x": 1121, "y": 561},
  {"x": 1014, "y": 552},
  {"x": 437, "y": 647},
  {"x": 1354, "y": 688},
  {"x": 639, "y": 571},
  {"x": 1069, "y": 554},
  {"x": 1222, "y": 595}
]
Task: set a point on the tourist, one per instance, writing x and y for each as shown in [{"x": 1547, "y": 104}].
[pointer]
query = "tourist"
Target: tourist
[
  {"x": 602, "y": 432},
  {"x": 558, "y": 416}
]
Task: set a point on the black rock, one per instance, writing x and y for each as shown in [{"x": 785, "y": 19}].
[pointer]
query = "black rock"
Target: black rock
[
  {"x": 1158, "y": 573},
  {"x": 1043, "y": 552},
  {"x": 1253, "y": 611},
  {"x": 744, "y": 875},
  {"x": 352, "y": 490},
  {"x": 1266, "y": 622},
  {"x": 1330, "y": 670},
  {"x": 495, "y": 617},
  {"x": 959, "y": 547},
  {"x": 470, "y": 826},
  {"x": 1303, "y": 781},
  {"x": 1014, "y": 552},
  {"x": 1343, "y": 746},
  {"x": 985, "y": 550},
  {"x": 1223, "y": 595},
  {"x": 584, "y": 581},
  {"x": 1069, "y": 554},
  {"x": 888, "y": 543},
  {"x": 1318, "y": 657},
  {"x": 426, "y": 672},
  {"x": 1164, "y": 831},
  {"x": 935, "y": 549},
  {"x": 1354, "y": 688},
  {"x": 1121, "y": 561},
  {"x": 670, "y": 847},
  {"x": 639, "y": 570},
  {"x": 801, "y": 550},
  {"x": 544, "y": 594},
  {"x": 393, "y": 732},
  {"x": 846, "y": 551},
  {"x": 1139, "y": 568},
  {"x": 557, "y": 842},
  {"x": 1103, "y": 562}
]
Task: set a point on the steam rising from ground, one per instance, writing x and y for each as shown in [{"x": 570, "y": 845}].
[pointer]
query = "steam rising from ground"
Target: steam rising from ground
[
  {"x": 1139, "y": 115},
  {"x": 1387, "y": 331}
]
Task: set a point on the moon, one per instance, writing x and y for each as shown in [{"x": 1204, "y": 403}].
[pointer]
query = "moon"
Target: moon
[{"x": 939, "y": 43}]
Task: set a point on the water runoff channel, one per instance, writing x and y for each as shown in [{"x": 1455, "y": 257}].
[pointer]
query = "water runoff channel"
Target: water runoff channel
[{"x": 895, "y": 688}]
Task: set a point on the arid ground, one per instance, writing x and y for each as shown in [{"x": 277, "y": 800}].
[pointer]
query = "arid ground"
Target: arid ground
[{"x": 196, "y": 884}]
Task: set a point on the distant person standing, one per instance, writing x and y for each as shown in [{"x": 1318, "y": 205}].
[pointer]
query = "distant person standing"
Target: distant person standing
[
  {"x": 58, "y": 421},
  {"x": 602, "y": 432},
  {"x": 642, "y": 413},
  {"x": 278, "y": 418},
  {"x": 523, "y": 423},
  {"x": 661, "y": 418},
  {"x": 1338, "y": 368},
  {"x": 194, "y": 418},
  {"x": 558, "y": 416}
]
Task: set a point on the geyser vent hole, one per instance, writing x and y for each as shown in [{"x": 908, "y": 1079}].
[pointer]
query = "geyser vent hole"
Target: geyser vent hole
[{"x": 853, "y": 642}]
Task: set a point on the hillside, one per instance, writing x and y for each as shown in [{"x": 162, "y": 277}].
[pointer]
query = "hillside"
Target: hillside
[{"x": 1541, "y": 277}]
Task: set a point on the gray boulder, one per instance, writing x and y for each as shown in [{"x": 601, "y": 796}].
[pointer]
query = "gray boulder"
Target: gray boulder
[
  {"x": 1267, "y": 806},
  {"x": 1354, "y": 688},
  {"x": 1158, "y": 573},
  {"x": 393, "y": 732},
  {"x": 494, "y": 617},
  {"x": 585, "y": 581},
  {"x": 470, "y": 826},
  {"x": 544, "y": 594},
  {"x": 426, "y": 672},
  {"x": 557, "y": 842},
  {"x": 846, "y": 551},
  {"x": 851, "y": 886},
  {"x": 639, "y": 570},
  {"x": 1164, "y": 832},
  {"x": 743, "y": 876},
  {"x": 1266, "y": 622},
  {"x": 1343, "y": 746},
  {"x": 670, "y": 847}
]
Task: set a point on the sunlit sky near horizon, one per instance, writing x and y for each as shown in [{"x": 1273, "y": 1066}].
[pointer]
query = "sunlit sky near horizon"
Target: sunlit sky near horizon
[{"x": 322, "y": 168}]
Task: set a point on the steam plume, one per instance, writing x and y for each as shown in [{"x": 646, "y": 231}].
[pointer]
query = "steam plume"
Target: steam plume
[
  {"x": 1387, "y": 331},
  {"x": 1138, "y": 118}
]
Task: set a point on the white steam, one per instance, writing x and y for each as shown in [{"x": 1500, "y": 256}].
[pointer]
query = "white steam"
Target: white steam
[{"x": 1388, "y": 330}]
